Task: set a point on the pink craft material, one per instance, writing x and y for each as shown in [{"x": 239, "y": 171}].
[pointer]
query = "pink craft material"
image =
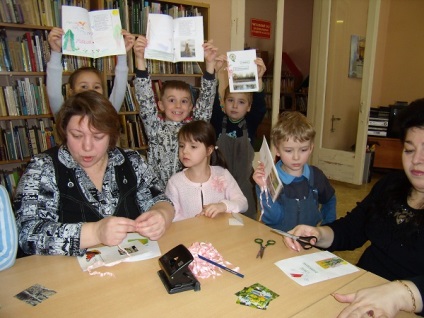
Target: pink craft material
[{"x": 203, "y": 269}]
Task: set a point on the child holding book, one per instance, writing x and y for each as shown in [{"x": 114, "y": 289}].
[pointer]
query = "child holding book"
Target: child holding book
[
  {"x": 85, "y": 78},
  {"x": 235, "y": 125},
  {"x": 176, "y": 103},
  {"x": 204, "y": 187},
  {"x": 307, "y": 196}
]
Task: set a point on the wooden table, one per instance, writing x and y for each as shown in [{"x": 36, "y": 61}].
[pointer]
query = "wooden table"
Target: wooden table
[{"x": 136, "y": 290}]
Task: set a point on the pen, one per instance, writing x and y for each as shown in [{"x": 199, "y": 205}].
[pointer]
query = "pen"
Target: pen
[{"x": 220, "y": 266}]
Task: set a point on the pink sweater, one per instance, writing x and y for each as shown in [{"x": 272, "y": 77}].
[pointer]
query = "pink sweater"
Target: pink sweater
[{"x": 187, "y": 195}]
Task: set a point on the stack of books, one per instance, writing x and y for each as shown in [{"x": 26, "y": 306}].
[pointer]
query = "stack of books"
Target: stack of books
[{"x": 379, "y": 121}]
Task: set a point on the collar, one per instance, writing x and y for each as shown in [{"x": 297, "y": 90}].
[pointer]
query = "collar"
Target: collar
[
  {"x": 288, "y": 178},
  {"x": 115, "y": 157}
]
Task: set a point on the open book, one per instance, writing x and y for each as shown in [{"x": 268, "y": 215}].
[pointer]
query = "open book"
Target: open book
[
  {"x": 272, "y": 180},
  {"x": 133, "y": 248},
  {"x": 242, "y": 71},
  {"x": 174, "y": 40},
  {"x": 92, "y": 34}
]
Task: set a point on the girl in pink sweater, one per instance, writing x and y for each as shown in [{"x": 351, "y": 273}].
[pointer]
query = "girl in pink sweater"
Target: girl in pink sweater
[{"x": 205, "y": 186}]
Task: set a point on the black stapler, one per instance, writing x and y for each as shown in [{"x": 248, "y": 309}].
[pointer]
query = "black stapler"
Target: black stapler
[{"x": 174, "y": 272}]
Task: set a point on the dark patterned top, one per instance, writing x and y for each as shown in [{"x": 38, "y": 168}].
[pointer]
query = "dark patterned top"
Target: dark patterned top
[
  {"x": 163, "y": 135},
  {"x": 37, "y": 200}
]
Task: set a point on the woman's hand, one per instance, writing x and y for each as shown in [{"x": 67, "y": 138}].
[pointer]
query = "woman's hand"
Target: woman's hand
[
  {"x": 212, "y": 210},
  {"x": 55, "y": 39},
  {"x": 153, "y": 223},
  {"x": 324, "y": 235},
  {"x": 109, "y": 231},
  {"x": 381, "y": 301}
]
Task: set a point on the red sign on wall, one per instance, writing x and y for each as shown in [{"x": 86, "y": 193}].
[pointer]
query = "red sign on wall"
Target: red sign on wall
[{"x": 260, "y": 28}]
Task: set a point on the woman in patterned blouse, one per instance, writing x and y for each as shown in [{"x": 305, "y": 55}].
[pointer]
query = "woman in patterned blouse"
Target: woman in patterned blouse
[{"x": 87, "y": 191}]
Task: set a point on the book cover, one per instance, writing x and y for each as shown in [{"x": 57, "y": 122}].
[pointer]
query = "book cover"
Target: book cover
[
  {"x": 242, "y": 71},
  {"x": 91, "y": 34},
  {"x": 174, "y": 40},
  {"x": 272, "y": 180}
]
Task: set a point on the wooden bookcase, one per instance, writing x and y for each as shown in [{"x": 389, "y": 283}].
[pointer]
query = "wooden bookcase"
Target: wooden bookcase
[
  {"x": 388, "y": 152},
  {"x": 43, "y": 19}
]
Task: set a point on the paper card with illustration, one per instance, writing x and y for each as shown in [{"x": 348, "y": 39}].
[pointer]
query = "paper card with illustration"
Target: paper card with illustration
[
  {"x": 91, "y": 34},
  {"x": 316, "y": 267},
  {"x": 133, "y": 248},
  {"x": 242, "y": 71},
  {"x": 174, "y": 40},
  {"x": 273, "y": 182}
]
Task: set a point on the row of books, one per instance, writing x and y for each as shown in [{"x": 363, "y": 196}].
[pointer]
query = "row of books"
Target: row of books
[
  {"x": 132, "y": 135},
  {"x": 134, "y": 13},
  {"x": 378, "y": 122},
  {"x": 36, "y": 12},
  {"x": 10, "y": 178},
  {"x": 24, "y": 98},
  {"x": 28, "y": 52},
  {"x": 19, "y": 142}
]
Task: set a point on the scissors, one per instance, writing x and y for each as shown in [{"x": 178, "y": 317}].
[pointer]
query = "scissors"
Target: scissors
[
  {"x": 304, "y": 241},
  {"x": 262, "y": 248}
]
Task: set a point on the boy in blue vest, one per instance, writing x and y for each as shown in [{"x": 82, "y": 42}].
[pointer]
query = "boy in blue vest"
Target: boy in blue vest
[{"x": 307, "y": 196}]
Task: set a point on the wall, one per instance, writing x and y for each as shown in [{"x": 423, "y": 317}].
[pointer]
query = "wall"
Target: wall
[{"x": 399, "y": 74}]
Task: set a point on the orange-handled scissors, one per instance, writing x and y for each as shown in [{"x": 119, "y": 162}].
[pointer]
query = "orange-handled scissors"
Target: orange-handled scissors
[
  {"x": 262, "y": 247},
  {"x": 304, "y": 241}
]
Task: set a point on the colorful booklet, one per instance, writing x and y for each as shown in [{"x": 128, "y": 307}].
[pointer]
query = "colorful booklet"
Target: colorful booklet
[
  {"x": 316, "y": 267},
  {"x": 272, "y": 181},
  {"x": 174, "y": 40},
  {"x": 133, "y": 248},
  {"x": 242, "y": 71},
  {"x": 92, "y": 34}
]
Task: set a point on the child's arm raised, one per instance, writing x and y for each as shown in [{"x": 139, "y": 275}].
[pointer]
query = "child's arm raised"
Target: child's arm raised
[
  {"x": 54, "y": 70},
  {"x": 117, "y": 95},
  {"x": 139, "y": 46},
  {"x": 261, "y": 71}
]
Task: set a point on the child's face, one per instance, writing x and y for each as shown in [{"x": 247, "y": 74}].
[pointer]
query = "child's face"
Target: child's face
[
  {"x": 193, "y": 153},
  {"x": 236, "y": 106},
  {"x": 176, "y": 104},
  {"x": 294, "y": 155},
  {"x": 87, "y": 81}
]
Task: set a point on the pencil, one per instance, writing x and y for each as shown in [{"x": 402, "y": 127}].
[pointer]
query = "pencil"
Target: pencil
[{"x": 220, "y": 266}]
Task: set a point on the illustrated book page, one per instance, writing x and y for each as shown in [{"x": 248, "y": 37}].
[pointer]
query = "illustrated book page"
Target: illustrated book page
[
  {"x": 174, "y": 40},
  {"x": 242, "y": 71},
  {"x": 316, "y": 267},
  {"x": 273, "y": 182},
  {"x": 133, "y": 248},
  {"x": 92, "y": 34}
]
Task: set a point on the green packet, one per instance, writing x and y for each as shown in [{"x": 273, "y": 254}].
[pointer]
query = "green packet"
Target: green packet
[{"x": 256, "y": 296}]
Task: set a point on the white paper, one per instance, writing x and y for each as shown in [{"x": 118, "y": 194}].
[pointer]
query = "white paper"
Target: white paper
[
  {"x": 174, "y": 40},
  {"x": 235, "y": 220},
  {"x": 133, "y": 248},
  {"x": 242, "y": 71},
  {"x": 91, "y": 34},
  {"x": 272, "y": 181},
  {"x": 315, "y": 267}
]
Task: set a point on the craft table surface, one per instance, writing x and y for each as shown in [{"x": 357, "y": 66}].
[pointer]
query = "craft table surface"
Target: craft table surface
[{"x": 135, "y": 289}]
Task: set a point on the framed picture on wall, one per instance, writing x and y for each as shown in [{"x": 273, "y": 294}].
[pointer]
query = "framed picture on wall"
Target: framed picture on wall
[{"x": 357, "y": 50}]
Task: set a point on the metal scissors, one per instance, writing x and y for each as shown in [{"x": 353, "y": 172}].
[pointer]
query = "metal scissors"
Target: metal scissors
[
  {"x": 262, "y": 248},
  {"x": 304, "y": 241}
]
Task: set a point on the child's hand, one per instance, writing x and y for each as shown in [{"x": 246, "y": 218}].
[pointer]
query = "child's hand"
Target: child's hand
[
  {"x": 211, "y": 53},
  {"x": 140, "y": 45},
  {"x": 259, "y": 175},
  {"x": 220, "y": 62},
  {"x": 129, "y": 39},
  {"x": 55, "y": 39},
  {"x": 261, "y": 67},
  {"x": 212, "y": 210}
]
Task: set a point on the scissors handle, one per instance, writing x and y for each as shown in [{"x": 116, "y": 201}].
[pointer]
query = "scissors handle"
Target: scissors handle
[{"x": 305, "y": 241}]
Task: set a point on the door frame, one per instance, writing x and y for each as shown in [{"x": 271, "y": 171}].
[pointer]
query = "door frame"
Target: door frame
[{"x": 345, "y": 166}]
